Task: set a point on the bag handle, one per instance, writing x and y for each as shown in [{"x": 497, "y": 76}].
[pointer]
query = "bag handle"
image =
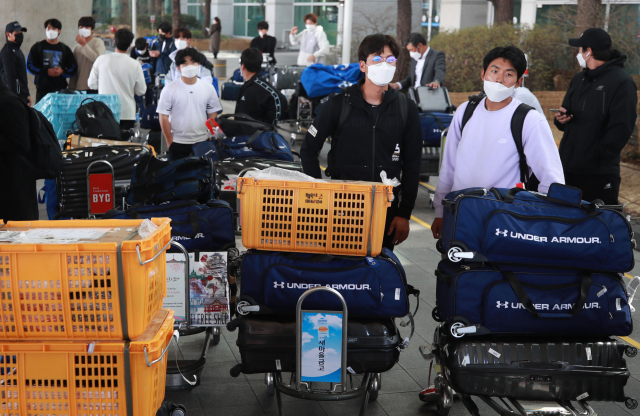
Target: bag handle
[
  {"x": 83, "y": 101},
  {"x": 588, "y": 209},
  {"x": 524, "y": 298}
]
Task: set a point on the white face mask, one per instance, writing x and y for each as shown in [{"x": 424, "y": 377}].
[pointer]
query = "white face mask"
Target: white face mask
[
  {"x": 310, "y": 27},
  {"x": 181, "y": 44},
  {"x": 381, "y": 74},
  {"x": 581, "y": 60},
  {"x": 189, "y": 71},
  {"x": 497, "y": 92},
  {"x": 84, "y": 32},
  {"x": 52, "y": 34},
  {"x": 415, "y": 55},
  {"x": 141, "y": 52},
  {"x": 261, "y": 33}
]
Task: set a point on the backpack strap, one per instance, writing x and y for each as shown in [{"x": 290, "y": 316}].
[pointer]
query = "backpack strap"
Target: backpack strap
[
  {"x": 517, "y": 124},
  {"x": 345, "y": 111},
  {"x": 403, "y": 108},
  {"x": 468, "y": 112}
]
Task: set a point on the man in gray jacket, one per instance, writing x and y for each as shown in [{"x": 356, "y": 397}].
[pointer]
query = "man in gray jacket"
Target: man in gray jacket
[{"x": 428, "y": 66}]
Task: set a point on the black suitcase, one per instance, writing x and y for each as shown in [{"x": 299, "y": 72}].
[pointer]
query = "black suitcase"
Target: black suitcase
[
  {"x": 287, "y": 77},
  {"x": 230, "y": 91},
  {"x": 372, "y": 345},
  {"x": 537, "y": 369},
  {"x": 72, "y": 182}
]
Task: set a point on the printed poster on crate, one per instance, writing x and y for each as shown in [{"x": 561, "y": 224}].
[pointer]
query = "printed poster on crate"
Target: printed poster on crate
[
  {"x": 321, "y": 352},
  {"x": 176, "y": 293},
  {"x": 209, "y": 289}
]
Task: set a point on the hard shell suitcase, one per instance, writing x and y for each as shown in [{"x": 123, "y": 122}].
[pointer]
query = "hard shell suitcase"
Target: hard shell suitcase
[
  {"x": 432, "y": 99},
  {"x": 517, "y": 300},
  {"x": 371, "y": 286},
  {"x": 372, "y": 345},
  {"x": 514, "y": 226},
  {"x": 287, "y": 77},
  {"x": 536, "y": 369}
]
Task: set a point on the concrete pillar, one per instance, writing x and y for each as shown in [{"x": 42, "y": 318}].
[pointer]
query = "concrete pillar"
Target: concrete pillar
[
  {"x": 460, "y": 14},
  {"x": 223, "y": 9},
  {"x": 280, "y": 17},
  {"x": 528, "y": 12}
]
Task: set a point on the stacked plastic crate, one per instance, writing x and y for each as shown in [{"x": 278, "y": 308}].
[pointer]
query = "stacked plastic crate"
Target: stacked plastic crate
[{"x": 82, "y": 331}]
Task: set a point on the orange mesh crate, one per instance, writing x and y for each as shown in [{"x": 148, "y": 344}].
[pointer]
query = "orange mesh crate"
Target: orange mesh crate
[
  {"x": 62, "y": 378},
  {"x": 334, "y": 217},
  {"x": 86, "y": 290}
]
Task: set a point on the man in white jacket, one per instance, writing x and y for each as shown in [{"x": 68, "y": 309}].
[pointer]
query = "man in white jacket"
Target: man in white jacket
[
  {"x": 183, "y": 41},
  {"x": 314, "y": 46}
]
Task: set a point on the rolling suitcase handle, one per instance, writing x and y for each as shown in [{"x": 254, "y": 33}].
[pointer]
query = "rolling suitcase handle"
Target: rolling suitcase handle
[{"x": 528, "y": 304}]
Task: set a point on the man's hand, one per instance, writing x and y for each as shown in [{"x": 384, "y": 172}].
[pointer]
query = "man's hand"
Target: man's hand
[
  {"x": 294, "y": 30},
  {"x": 433, "y": 85},
  {"x": 311, "y": 58},
  {"x": 154, "y": 54},
  {"x": 401, "y": 225},
  {"x": 436, "y": 228},
  {"x": 395, "y": 85},
  {"x": 81, "y": 40},
  {"x": 54, "y": 72},
  {"x": 29, "y": 101},
  {"x": 562, "y": 116}
]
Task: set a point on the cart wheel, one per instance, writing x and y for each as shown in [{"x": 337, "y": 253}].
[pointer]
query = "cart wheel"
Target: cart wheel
[
  {"x": 631, "y": 403},
  {"x": 269, "y": 381},
  {"x": 455, "y": 326},
  {"x": 631, "y": 351},
  {"x": 435, "y": 314},
  {"x": 215, "y": 339},
  {"x": 451, "y": 252},
  {"x": 236, "y": 370},
  {"x": 180, "y": 410},
  {"x": 439, "y": 246},
  {"x": 442, "y": 411},
  {"x": 374, "y": 387}
]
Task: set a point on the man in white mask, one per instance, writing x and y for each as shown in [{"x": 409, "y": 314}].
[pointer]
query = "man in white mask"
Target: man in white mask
[
  {"x": 86, "y": 52},
  {"x": 428, "y": 66},
  {"x": 185, "y": 105},
  {"x": 265, "y": 43},
  {"x": 378, "y": 131},
  {"x": 597, "y": 116},
  {"x": 183, "y": 41},
  {"x": 51, "y": 61},
  {"x": 482, "y": 152},
  {"x": 314, "y": 45}
]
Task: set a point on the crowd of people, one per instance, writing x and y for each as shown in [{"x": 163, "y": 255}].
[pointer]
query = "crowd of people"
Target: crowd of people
[{"x": 383, "y": 127}]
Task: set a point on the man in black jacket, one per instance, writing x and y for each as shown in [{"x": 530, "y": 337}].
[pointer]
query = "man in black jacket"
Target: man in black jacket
[
  {"x": 257, "y": 98},
  {"x": 13, "y": 69},
  {"x": 381, "y": 133},
  {"x": 18, "y": 199},
  {"x": 265, "y": 43},
  {"x": 597, "y": 117}
]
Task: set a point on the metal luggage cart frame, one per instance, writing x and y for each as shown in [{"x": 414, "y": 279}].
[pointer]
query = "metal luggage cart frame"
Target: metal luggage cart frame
[
  {"x": 504, "y": 406},
  {"x": 297, "y": 388}
]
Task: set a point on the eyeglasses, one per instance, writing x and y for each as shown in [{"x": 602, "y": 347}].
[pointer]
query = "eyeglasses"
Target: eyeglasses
[{"x": 379, "y": 59}]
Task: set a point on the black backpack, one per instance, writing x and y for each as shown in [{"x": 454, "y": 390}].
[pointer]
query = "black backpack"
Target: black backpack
[
  {"x": 95, "y": 119},
  {"x": 517, "y": 123},
  {"x": 46, "y": 155}
]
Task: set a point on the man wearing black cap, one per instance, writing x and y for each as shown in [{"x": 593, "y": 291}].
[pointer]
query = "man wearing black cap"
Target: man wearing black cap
[
  {"x": 597, "y": 117},
  {"x": 13, "y": 70}
]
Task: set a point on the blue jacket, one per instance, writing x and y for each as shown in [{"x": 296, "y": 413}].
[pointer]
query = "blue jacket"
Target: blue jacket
[{"x": 163, "y": 62}]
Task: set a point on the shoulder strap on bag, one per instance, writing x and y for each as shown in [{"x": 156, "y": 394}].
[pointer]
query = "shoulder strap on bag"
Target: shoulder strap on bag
[
  {"x": 468, "y": 112},
  {"x": 402, "y": 108},
  {"x": 345, "y": 110},
  {"x": 517, "y": 124}
]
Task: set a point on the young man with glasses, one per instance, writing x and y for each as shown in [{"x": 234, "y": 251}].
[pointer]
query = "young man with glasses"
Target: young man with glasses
[{"x": 374, "y": 128}]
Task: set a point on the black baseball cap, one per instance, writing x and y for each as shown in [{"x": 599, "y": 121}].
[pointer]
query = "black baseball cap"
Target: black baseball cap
[
  {"x": 593, "y": 38},
  {"x": 14, "y": 27}
]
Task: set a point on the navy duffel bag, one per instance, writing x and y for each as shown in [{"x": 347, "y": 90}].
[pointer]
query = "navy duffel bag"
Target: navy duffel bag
[
  {"x": 371, "y": 286},
  {"x": 196, "y": 226},
  {"x": 267, "y": 145},
  {"x": 531, "y": 301},
  {"x": 519, "y": 227}
]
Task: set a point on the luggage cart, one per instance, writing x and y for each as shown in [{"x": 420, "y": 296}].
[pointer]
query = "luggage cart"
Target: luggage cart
[
  {"x": 185, "y": 374},
  {"x": 368, "y": 388},
  {"x": 443, "y": 393}
]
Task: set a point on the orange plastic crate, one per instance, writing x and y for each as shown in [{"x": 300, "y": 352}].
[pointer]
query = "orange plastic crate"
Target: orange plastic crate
[
  {"x": 334, "y": 217},
  {"x": 73, "y": 291},
  {"x": 62, "y": 378}
]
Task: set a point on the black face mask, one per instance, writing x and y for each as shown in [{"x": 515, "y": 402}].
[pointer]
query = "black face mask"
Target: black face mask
[
  {"x": 19, "y": 39},
  {"x": 162, "y": 37}
]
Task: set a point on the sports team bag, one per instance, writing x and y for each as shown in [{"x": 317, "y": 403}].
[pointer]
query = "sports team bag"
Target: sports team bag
[
  {"x": 370, "y": 286},
  {"x": 519, "y": 227},
  {"x": 433, "y": 124},
  {"x": 265, "y": 145},
  {"x": 158, "y": 181},
  {"x": 95, "y": 119},
  {"x": 319, "y": 80},
  {"x": 206, "y": 227},
  {"x": 508, "y": 300}
]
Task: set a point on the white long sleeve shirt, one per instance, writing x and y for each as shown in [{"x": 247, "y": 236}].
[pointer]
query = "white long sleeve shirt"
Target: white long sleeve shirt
[
  {"x": 485, "y": 154},
  {"x": 118, "y": 73}
]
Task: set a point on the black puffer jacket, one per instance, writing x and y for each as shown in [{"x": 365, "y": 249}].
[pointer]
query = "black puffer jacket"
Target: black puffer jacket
[
  {"x": 369, "y": 144},
  {"x": 603, "y": 104}
]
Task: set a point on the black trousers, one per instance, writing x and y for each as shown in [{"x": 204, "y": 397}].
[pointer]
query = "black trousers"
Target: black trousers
[
  {"x": 179, "y": 151},
  {"x": 604, "y": 187}
]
